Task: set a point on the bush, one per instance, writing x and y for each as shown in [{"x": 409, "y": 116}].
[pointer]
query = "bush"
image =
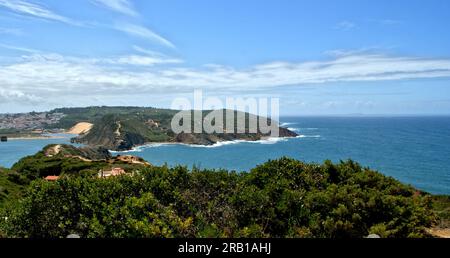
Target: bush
[{"x": 280, "y": 198}]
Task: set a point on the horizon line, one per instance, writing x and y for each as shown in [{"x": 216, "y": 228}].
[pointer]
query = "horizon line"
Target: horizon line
[{"x": 285, "y": 115}]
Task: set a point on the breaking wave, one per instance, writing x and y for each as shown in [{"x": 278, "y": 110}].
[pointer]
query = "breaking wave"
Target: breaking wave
[
  {"x": 270, "y": 140},
  {"x": 308, "y": 136},
  {"x": 287, "y": 124}
]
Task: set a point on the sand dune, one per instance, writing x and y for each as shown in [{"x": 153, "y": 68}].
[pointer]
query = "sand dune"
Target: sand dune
[{"x": 80, "y": 128}]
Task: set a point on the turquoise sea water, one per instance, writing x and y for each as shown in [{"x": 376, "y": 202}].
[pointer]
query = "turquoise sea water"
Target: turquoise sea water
[
  {"x": 13, "y": 150},
  {"x": 414, "y": 150}
]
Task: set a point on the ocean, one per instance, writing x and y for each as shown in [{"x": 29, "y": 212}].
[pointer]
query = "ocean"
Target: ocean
[{"x": 414, "y": 150}]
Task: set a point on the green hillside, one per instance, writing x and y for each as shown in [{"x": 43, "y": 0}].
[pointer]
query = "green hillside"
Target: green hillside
[
  {"x": 93, "y": 114},
  {"x": 122, "y": 128}
]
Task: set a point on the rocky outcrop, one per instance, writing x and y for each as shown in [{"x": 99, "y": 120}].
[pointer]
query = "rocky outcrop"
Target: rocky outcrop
[{"x": 129, "y": 159}]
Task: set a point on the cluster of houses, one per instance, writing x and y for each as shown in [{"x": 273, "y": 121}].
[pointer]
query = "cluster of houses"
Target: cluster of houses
[
  {"x": 112, "y": 172},
  {"x": 31, "y": 120}
]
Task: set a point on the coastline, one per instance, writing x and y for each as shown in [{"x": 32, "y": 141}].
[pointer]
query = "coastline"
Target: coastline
[
  {"x": 263, "y": 140},
  {"x": 138, "y": 148},
  {"x": 35, "y": 138},
  {"x": 42, "y": 137}
]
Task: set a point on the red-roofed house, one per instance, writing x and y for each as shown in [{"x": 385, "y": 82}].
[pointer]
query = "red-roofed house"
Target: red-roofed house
[{"x": 51, "y": 178}]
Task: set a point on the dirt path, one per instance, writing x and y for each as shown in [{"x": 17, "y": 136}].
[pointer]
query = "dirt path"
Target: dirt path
[
  {"x": 440, "y": 232},
  {"x": 57, "y": 149},
  {"x": 119, "y": 126},
  {"x": 53, "y": 151}
]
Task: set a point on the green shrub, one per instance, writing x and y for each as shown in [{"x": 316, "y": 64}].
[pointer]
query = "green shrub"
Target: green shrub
[{"x": 280, "y": 198}]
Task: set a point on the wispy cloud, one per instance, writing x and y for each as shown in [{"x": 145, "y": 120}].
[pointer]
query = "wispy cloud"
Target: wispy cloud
[
  {"x": 123, "y": 60},
  {"x": 345, "y": 26},
  {"x": 121, "y": 6},
  {"x": 386, "y": 22},
  {"x": 144, "y": 60},
  {"x": 145, "y": 51},
  {"x": 62, "y": 77},
  {"x": 21, "y": 49},
  {"x": 143, "y": 32},
  {"x": 37, "y": 11},
  {"x": 360, "y": 51},
  {"x": 390, "y": 22},
  {"x": 162, "y": 58},
  {"x": 11, "y": 31},
  {"x": 126, "y": 7}
]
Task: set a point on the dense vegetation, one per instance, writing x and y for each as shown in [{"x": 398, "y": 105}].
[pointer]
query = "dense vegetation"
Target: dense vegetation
[
  {"x": 12, "y": 186},
  {"x": 281, "y": 198}
]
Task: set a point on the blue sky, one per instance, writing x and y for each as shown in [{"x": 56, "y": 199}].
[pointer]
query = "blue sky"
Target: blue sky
[{"x": 318, "y": 57}]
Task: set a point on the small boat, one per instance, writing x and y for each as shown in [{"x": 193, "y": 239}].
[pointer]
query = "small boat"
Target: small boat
[{"x": 3, "y": 139}]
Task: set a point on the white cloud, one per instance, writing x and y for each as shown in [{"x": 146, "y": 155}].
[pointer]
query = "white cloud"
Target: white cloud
[
  {"x": 146, "y": 51},
  {"x": 16, "y": 96},
  {"x": 121, "y": 6},
  {"x": 11, "y": 31},
  {"x": 21, "y": 49},
  {"x": 34, "y": 10},
  {"x": 144, "y": 60},
  {"x": 140, "y": 31},
  {"x": 151, "y": 57},
  {"x": 345, "y": 25},
  {"x": 135, "y": 60},
  {"x": 388, "y": 22},
  {"x": 365, "y": 51},
  {"x": 126, "y": 7},
  {"x": 58, "y": 77}
]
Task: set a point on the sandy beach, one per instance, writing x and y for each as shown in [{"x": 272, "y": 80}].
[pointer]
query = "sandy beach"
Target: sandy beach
[{"x": 80, "y": 128}]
